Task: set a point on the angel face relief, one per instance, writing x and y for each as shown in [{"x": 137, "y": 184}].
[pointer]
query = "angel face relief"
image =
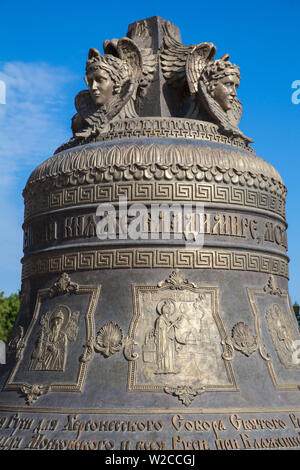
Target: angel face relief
[
  {"x": 116, "y": 80},
  {"x": 222, "y": 78},
  {"x": 217, "y": 88},
  {"x": 100, "y": 86},
  {"x": 206, "y": 85},
  {"x": 105, "y": 75},
  {"x": 225, "y": 91}
]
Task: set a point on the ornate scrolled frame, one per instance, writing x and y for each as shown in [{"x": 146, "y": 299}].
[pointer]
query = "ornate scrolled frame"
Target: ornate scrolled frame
[
  {"x": 253, "y": 293},
  {"x": 33, "y": 391},
  {"x": 169, "y": 285}
]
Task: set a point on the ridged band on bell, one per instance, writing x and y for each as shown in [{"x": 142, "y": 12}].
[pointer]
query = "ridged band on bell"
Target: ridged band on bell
[
  {"x": 194, "y": 161},
  {"x": 152, "y": 171},
  {"x": 138, "y": 258}
]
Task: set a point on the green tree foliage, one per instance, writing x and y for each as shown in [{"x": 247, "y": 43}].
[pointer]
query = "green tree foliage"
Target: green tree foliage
[{"x": 9, "y": 307}]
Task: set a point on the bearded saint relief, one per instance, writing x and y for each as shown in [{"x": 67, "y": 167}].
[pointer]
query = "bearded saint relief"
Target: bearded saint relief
[
  {"x": 209, "y": 87},
  {"x": 58, "y": 328}
]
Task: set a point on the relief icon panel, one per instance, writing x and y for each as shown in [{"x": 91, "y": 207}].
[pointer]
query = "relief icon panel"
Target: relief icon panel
[
  {"x": 178, "y": 335},
  {"x": 283, "y": 335},
  {"x": 277, "y": 333},
  {"x": 61, "y": 329},
  {"x": 58, "y": 327}
]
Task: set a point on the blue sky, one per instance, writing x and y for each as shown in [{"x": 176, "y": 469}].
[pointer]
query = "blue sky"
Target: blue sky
[{"x": 44, "y": 47}]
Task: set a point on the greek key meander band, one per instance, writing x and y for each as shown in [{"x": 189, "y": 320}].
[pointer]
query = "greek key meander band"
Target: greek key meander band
[
  {"x": 154, "y": 258},
  {"x": 155, "y": 191},
  {"x": 170, "y": 127}
]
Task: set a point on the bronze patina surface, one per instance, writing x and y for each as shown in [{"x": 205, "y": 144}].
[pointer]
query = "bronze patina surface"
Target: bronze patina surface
[{"x": 182, "y": 337}]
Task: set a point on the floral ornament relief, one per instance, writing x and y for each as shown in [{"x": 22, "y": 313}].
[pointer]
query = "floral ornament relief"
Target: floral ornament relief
[
  {"x": 185, "y": 393},
  {"x": 228, "y": 350},
  {"x": 110, "y": 340},
  {"x": 63, "y": 285},
  {"x": 272, "y": 288},
  {"x": 243, "y": 339},
  {"x": 33, "y": 392},
  {"x": 176, "y": 280}
]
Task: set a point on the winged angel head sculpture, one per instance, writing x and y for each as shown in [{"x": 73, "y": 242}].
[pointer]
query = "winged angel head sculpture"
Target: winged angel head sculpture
[
  {"x": 115, "y": 81},
  {"x": 210, "y": 86}
]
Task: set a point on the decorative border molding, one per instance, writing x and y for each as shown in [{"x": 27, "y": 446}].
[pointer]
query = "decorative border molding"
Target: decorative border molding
[
  {"x": 152, "y": 411},
  {"x": 155, "y": 191},
  {"x": 185, "y": 393},
  {"x": 33, "y": 391},
  {"x": 63, "y": 285},
  {"x": 99, "y": 164},
  {"x": 36, "y": 265},
  {"x": 181, "y": 128},
  {"x": 110, "y": 340},
  {"x": 272, "y": 288}
]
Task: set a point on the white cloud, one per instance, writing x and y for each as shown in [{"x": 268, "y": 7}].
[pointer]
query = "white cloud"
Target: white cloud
[
  {"x": 34, "y": 99},
  {"x": 33, "y": 123}
]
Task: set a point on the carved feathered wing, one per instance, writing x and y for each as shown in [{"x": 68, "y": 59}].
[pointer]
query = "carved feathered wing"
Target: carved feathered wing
[
  {"x": 149, "y": 66},
  {"x": 139, "y": 33},
  {"x": 183, "y": 64},
  {"x": 110, "y": 46},
  {"x": 173, "y": 58},
  {"x": 197, "y": 59},
  {"x": 141, "y": 60},
  {"x": 129, "y": 51},
  {"x": 71, "y": 329},
  {"x": 227, "y": 122},
  {"x": 45, "y": 322},
  {"x": 19, "y": 333}
]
